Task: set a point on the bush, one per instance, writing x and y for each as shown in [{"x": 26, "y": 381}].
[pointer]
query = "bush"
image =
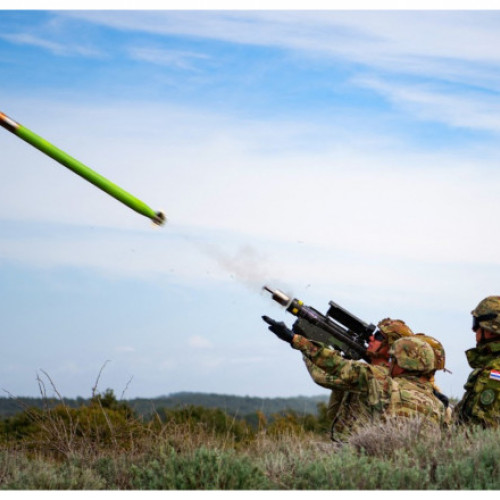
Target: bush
[
  {"x": 18, "y": 472},
  {"x": 64, "y": 431},
  {"x": 207, "y": 421},
  {"x": 102, "y": 445},
  {"x": 203, "y": 470}
]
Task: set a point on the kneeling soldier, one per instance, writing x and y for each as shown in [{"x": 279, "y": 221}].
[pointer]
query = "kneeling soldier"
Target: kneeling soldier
[{"x": 403, "y": 390}]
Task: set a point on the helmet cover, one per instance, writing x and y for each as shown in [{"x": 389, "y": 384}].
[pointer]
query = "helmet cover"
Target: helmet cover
[{"x": 413, "y": 354}]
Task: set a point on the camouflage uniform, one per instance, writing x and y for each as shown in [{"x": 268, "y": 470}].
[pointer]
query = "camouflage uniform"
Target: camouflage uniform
[
  {"x": 439, "y": 364},
  {"x": 481, "y": 402},
  {"x": 408, "y": 395},
  {"x": 349, "y": 410}
]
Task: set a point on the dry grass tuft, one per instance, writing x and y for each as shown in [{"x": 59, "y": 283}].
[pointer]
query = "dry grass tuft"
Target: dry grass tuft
[{"x": 387, "y": 438}]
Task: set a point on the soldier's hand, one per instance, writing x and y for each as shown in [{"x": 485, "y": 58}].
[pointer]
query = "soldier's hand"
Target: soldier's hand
[{"x": 279, "y": 329}]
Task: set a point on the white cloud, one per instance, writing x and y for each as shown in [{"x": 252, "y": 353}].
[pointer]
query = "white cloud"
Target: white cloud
[
  {"x": 57, "y": 48},
  {"x": 174, "y": 58},
  {"x": 472, "y": 109},
  {"x": 168, "y": 365},
  {"x": 198, "y": 342},
  {"x": 125, "y": 348},
  {"x": 415, "y": 41},
  {"x": 209, "y": 364},
  {"x": 247, "y": 360}
]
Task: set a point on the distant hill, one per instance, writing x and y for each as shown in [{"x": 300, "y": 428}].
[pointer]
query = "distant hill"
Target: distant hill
[{"x": 232, "y": 405}]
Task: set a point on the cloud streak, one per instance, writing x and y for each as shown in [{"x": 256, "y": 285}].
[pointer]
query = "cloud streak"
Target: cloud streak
[
  {"x": 472, "y": 109},
  {"x": 175, "y": 58},
  {"x": 56, "y": 48},
  {"x": 431, "y": 65},
  {"x": 392, "y": 40}
]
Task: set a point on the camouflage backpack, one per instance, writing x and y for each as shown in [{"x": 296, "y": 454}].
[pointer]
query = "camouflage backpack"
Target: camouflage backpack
[{"x": 411, "y": 398}]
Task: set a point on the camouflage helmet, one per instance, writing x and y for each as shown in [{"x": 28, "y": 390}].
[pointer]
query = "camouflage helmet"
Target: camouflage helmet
[
  {"x": 413, "y": 354},
  {"x": 487, "y": 314},
  {"x": 437, "y": 347},
  {"x": 394, "y": 329}
]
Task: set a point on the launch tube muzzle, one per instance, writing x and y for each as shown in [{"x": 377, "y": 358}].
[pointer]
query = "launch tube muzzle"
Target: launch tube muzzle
[{"x": 279, "y": 296}]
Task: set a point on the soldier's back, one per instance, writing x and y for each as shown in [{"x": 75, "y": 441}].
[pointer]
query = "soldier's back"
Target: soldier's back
[{"x": 413, "y": 398}]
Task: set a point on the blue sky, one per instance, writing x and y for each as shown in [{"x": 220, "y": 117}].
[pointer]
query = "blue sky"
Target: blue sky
[{"x": 338, "y": 155}]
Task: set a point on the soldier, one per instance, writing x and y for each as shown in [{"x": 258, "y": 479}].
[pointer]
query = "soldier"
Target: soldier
[
  {"x": 481, "y": 402},
  {"x": 403, "y": 389},
  {"x": 349, "y": 410}
]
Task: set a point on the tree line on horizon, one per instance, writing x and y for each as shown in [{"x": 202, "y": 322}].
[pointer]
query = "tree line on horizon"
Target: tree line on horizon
[{"x": 231, "y": 404}]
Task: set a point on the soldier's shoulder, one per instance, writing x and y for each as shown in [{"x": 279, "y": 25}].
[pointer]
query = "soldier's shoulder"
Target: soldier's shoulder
[
  {"x": 495, "y": 363},
  {"x": 380, "y": 371}
]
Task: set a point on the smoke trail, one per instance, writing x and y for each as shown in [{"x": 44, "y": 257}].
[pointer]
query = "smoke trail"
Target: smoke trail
[{"x": 246, "y": 265}]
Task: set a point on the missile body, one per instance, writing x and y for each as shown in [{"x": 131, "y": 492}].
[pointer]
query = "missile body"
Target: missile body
[{"x": 82, "y": 170}]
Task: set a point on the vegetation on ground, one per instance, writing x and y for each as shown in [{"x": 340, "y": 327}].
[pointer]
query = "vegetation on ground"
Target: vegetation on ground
[{"x": 105, "y": 445}]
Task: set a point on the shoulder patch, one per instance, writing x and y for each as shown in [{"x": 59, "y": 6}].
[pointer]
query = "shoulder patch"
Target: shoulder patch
[
  {"x": 487, "y": 397},
  {"x": 495, "y": 375}
]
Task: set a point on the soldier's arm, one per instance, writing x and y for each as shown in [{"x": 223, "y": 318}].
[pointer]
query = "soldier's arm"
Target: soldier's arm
[
  {"x": 322, "y": 378},
  {"x": 331, "y": 369}
]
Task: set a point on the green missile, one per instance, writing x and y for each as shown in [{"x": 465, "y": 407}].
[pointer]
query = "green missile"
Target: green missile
[{"x": 82, "y": 170}]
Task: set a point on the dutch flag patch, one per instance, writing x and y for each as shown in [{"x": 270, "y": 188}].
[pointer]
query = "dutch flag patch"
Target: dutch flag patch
[{"x": 495, "y": 375}]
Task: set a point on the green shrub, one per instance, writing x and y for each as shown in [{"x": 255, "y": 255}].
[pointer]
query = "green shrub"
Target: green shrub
[
  {"x": 208, "y": 421},
  {"x": 203, "y": 470},
  {"x": 23, "y": 473},
  {"x": 64, "y": 431},
  {"x": 470, "y": 462},
  {"x": 102, "y": 445}
]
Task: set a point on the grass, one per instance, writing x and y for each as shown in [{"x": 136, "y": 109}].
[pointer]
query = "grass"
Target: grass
[{"x": 104, "y": 446}]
